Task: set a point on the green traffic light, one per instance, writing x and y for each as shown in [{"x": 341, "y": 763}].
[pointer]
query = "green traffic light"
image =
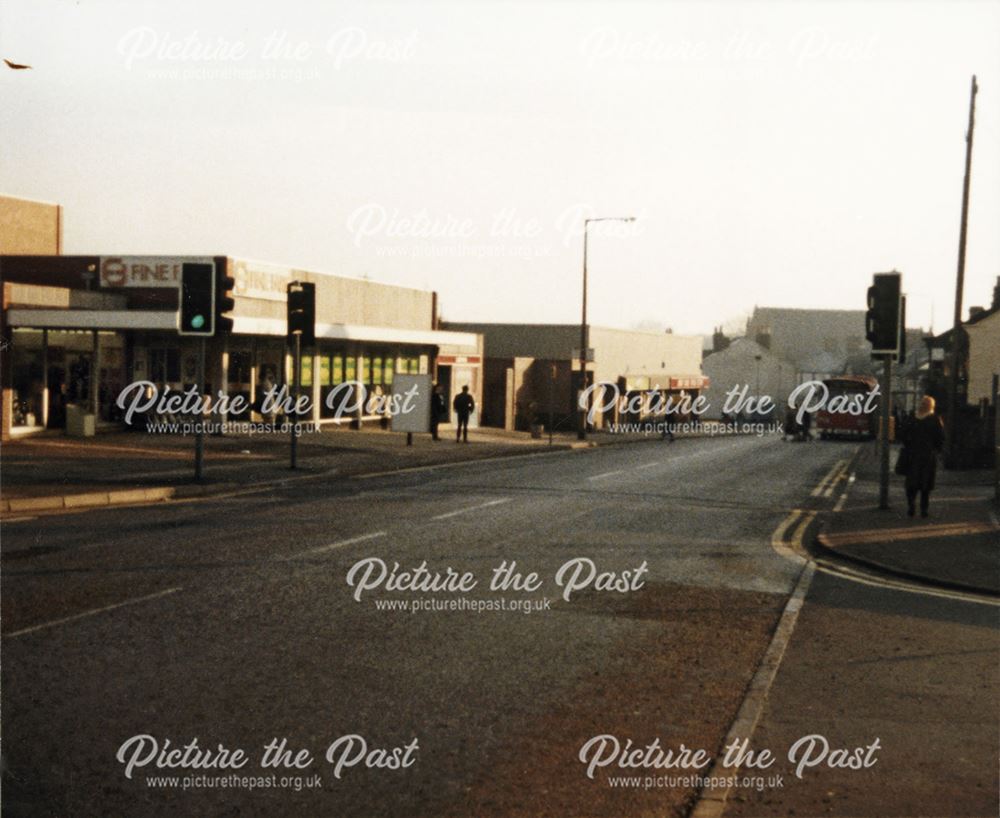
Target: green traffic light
[{"x": 197, "y": 321}]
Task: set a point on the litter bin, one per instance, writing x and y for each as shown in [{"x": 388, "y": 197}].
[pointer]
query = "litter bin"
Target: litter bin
[{"x": 79, "y": 422}]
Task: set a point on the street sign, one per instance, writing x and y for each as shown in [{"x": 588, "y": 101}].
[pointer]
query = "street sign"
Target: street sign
[{"x": 411, "y": 403}]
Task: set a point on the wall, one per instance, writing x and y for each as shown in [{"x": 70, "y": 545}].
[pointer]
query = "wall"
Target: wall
[
  {"x": 548, "y": 341},
  {"x": 26, "y": 228},
  {"x": 737, "y": 366},
  {"x": 625, "y": 352},
  {"x": 984, "y": 357},
  {"x": 260, "y": 293},
  {"x": 29, "y": 228}
]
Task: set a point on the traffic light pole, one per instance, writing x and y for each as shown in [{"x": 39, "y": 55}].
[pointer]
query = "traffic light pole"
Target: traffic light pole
[
  {"x": 295, "y": 420},
  {"x": 199, "y": 432},
  {"x": 883, "y": 433}
]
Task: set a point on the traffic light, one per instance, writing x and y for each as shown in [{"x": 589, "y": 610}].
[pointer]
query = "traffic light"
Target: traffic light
[
  {"x": 901, "y": 357},
  {"x": 197, "y": 307},
  {"x": 302, "y": 312},
  {"x": 224, "y": 301},
  {"x": 882, "y": 326}
]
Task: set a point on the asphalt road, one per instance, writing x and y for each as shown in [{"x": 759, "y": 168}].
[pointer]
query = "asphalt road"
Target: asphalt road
[{"x": 231, "y": 620}]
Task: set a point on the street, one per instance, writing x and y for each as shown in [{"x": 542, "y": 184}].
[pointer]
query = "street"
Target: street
[{"x": 242, "y": 620}]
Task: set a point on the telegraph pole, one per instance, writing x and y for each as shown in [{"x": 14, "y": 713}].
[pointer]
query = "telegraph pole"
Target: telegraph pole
[{"x": 957, "y": 331}]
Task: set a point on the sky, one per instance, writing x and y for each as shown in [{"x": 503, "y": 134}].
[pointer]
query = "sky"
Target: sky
[{"x": 772, "y": 153}]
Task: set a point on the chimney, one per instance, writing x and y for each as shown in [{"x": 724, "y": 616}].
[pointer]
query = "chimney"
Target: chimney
[
  {"x": 975, "y": 311},
  {"x": 764, "y": 339}
]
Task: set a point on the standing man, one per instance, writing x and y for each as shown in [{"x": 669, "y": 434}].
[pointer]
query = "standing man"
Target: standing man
[
  {"x": 464, "y": 404},
  {"x": 439, "y": 410}
]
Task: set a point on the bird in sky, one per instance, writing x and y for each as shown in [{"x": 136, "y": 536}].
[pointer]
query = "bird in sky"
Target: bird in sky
[{"x": 16, "y": 66}]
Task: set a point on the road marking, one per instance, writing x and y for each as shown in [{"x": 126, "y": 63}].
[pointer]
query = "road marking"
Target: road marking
[
  {"x": 476, "y": 461},
  {"x": 778, "y": 537},
  {"x": 876, "y": 535},
  {"x": 340, "y": 544},
  {"x": 712, "y": 801},
  {"x": 85, "y": 614},
  {"x": 16, "y": 519},
  {"x": 607, "y": 474},
  {"x": 648, "y": 465},
  {"x": 851, "y": 574},
  {"x": 836, "y": 479},
  {"x": 796, "y": 541},
  {"x": 828, "y": 478},
  {"x": 472, "y": 508}
]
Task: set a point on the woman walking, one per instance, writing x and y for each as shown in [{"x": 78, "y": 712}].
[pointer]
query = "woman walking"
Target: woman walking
[{"x": 923, "y": 439}]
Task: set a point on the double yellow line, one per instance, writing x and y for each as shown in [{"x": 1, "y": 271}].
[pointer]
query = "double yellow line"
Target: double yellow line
[
  {"x": 826, "y": 486},
  {"x": 796, "y": 522},
  {"x": 787, "y": 537}
]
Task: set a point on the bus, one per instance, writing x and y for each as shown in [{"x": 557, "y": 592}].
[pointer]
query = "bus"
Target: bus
[{"x": 841, "y": 424}]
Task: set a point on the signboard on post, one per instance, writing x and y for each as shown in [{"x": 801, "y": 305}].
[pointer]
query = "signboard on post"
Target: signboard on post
[{"x": 411, "y": 403}]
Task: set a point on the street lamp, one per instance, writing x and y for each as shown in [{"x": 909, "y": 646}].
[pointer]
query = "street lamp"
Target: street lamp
[{"x": 583, "y": 321}]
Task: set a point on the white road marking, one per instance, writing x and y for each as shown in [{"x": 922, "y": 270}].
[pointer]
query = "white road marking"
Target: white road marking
[
  {"x": 340, "y": 544},
  {"x": 607, "y": 474},
  {"x": 649, "y": 465},
  {"x": 449, "y": 514},
  {"x": 712, "y": 800},
  {"x": 85, "y": 614},
  {"x": 16, "y": 519}
]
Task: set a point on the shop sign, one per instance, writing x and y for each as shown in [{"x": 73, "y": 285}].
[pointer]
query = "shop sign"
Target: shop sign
[
  {"x": 264, "y": 282},
  {"x": 162, "y": 272}
]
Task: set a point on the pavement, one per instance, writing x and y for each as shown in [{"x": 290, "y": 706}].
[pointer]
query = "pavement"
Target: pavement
[
  {"x": 49, "y": 471},
  {"x": 957, "y": 545}
]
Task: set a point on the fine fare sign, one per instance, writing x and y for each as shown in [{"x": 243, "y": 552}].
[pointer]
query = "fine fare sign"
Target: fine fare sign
[{"x": 162, "y": 272}]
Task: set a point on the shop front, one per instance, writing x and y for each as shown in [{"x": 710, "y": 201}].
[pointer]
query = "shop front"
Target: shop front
[{"x": 113, "y": 329}]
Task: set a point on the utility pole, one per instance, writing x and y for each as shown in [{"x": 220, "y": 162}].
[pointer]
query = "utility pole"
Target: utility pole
[
  {"x": 582, "y": 431},
  {"x": 957, "y": 330}
]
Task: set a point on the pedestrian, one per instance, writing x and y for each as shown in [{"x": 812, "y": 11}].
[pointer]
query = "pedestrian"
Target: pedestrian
[
  {"x": 439, "y": 410},
  {"x": 464, "y": 405},
  {"x": 924, "y": 439}
]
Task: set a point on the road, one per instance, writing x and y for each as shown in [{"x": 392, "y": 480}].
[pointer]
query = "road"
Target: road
[{"x": 231, "y": 620}]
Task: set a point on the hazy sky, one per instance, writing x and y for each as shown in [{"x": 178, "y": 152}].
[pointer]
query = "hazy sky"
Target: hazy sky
[{"x": 774, "y": 153}]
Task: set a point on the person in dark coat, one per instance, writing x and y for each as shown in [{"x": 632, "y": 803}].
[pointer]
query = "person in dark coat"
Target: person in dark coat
[
  {"x": 439, "y": 410},
  {"x": 924, "y": 439},
  {"x": 464, "y": 404}
]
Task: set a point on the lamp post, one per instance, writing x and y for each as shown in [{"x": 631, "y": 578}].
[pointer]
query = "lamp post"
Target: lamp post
[{"x": 583, "y": 321}]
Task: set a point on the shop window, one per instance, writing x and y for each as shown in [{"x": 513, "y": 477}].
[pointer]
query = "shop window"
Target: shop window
[
  {"x": 376, "y": 371},
  {"x": 239, "y": 367},
  {"x": 336, "y": 369},
  {"x": 164, "y": 366},
  {"x": 366, "y": 370},
  {"x": 351, "y": 368},
  {"x": 324, "y": 370},
  {"x": 306, "y": 373},
  {"x": 387, "y": 374}
]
